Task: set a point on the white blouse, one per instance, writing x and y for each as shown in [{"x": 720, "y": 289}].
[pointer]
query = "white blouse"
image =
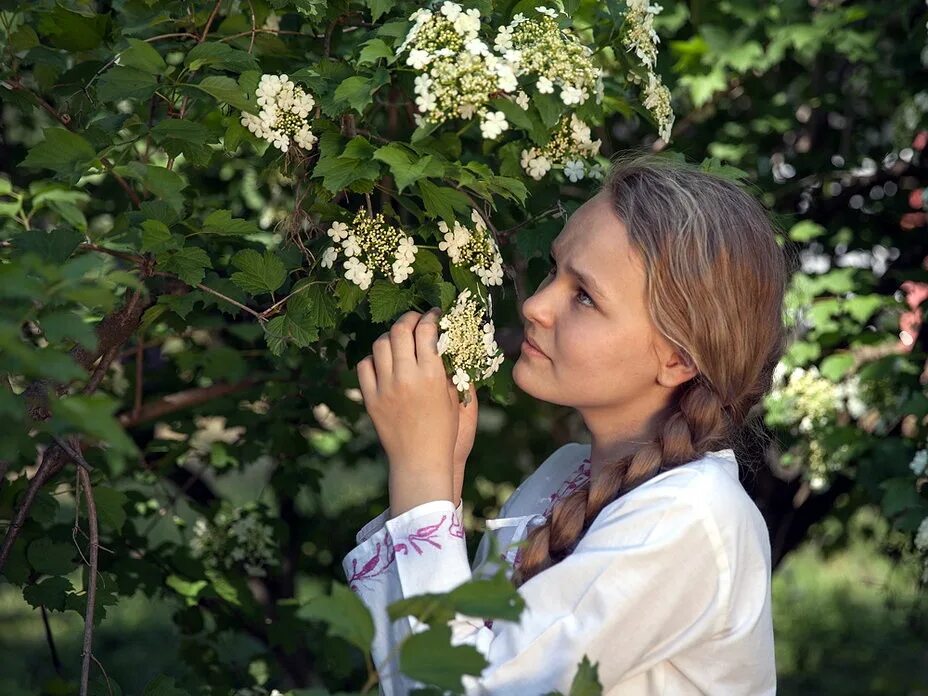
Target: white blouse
[{"x": 668, "y": 590}]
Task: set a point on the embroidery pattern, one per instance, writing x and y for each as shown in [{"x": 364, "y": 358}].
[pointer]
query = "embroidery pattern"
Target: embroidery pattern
[{"x": 379, "y": 562}]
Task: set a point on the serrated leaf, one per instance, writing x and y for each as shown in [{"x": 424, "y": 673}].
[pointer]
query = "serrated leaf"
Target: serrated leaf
[
  {"x": 51, "y": 558},
  {"x": 442, "y": 201},
  {"x": 586, "y": 680},
  {"x": 121, "y": 82},
  {"x": 93, "y": 414},
  {"x": 313, "y": 303},
  {"x": 387, "y": 300},
  {"x": 260, "y": 273},
  {"x": 374, "y": 50},
  {"x": 226, "y": 90},
  {"x": 50, "y": 593},
  {"x": 54, "y": 246},
  {"x": 141, "y": 55},
  {"x": 357, "y": 91},
  {"x": 62, "y": 151},
  {"x": 180, "y": 129},
  {"x": 406, "y": 167},
  {"x": 346, "y": 615},
  {"x": 189, "y": 264},
  {"x": 73, "y": 31},
  {"x": 157, "y": 238},
  {"x": 222, "y": 222}
]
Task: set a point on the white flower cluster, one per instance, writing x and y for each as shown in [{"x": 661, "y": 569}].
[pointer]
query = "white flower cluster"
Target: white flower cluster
[
  {"x": 235, "y": 536},
  {"x": 569, "y": 148},
  {"x": 550, "y": 56},
  {"x": 468, "y": 339},
  {"x": 641, "y": 38},
  {"x": 475, "y": 247},
  {"x": 371, "y": 245},
  {"x": 921, "y": 537},
  {"x": 459, "y": 71},
  {"x": 284, "y": 109},
  {"x": 210, "y": 429}
]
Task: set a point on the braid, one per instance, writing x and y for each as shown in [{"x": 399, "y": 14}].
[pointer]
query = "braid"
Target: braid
[{"x": 700, "y": 423}]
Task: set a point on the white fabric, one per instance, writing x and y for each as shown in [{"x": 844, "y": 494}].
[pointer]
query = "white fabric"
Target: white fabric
[{"x": 669, "y": 589}]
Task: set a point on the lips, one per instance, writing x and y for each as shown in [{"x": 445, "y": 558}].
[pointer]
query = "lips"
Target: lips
[{"x": 534, "y": 345}]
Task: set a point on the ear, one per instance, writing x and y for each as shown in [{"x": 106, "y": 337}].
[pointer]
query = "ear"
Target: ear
[{"x": 676, "y": 367}]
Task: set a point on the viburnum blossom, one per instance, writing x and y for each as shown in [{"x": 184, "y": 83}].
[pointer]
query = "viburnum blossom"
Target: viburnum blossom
[
  {"x": 551, "y": 56},
  {"x": 474, "y": 248},
  {"x": 371, "y": 245},
  {"x": 236, "y": 535},
  {"x": 284, "y": 110},
  {"x": 639, "y": 36},
  {"x": 569, "y": 147},
  {"x": 468, "y": 342},
  {"x": 459, "y": 71}
]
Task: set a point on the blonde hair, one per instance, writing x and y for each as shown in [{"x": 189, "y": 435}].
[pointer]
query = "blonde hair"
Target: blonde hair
[{"x": 716, "y": 278}]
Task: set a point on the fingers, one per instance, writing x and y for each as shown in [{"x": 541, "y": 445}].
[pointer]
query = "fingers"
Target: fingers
[
  {"x": 403, "y": 344},
  {"x": 367, "y": 379},
  {"x": 427, "y": 338}
]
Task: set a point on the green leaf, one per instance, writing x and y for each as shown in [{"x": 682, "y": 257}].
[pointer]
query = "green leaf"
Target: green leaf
[
  {"x": 315, "y": 305},
  {"x": 493, "y": 597},
  {"x": 260, "y": 273},
  {"x": 122, "y": 82},
  {"x": 73, "y": 31},
  {"x": 184, "y": 130},
  {"x": 50, "y": 557},
  {"x": 51, "y": 593},
  {"x": 189, "y": 589},
  {"x": 110, "y": 506},
  {"x": 64, "y": 152},
  {"x": 379, "y": 7},
  {"x": 357, "y": 91},
  {"x": 407, "y": 170},
  {"x": 430, "y": 658},
  {"x": 586, "y": 680},
  {"x": 141, "y": 55},
  {"x": 338, "y": 172},
  {"x": 63, "y": 324},
  {"x": 156, "y": 237},
  {"x": 221, "y": 222},
  {"x": 346, "y": 615},
  {"x": 387, "y": 300},
  {"x": 54, "y": 246},
  {"x": 226, "y": 90},
  {"x": 93, "y": 414},
  {"x": 222, "y": 55},
  {"x": 834, "y": 367},
  {"x": 442, "y": 201},
  {"x": 374, "y": 50},
  {"x": 549, "y": 108},
  {"x": 188, "y": 264}
]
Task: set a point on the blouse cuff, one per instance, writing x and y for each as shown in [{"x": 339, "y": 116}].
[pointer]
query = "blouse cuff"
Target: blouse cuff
[{"x": 377, "y": 523}]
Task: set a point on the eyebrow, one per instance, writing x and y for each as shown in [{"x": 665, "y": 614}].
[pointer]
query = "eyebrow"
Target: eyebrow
[{"x": 584, "y": 279}]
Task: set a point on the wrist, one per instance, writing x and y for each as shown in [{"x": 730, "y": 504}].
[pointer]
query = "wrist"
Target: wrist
[{"x": 410, "y": 488}]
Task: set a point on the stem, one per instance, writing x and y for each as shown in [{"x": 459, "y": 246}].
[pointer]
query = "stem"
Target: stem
[{"x": 92, "y": 577}]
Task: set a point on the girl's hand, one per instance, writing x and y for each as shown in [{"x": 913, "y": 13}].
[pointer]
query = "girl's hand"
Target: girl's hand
[{"x": 406, "y": 393}]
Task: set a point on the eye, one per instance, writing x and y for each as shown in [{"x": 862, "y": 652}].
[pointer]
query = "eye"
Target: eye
[{"x": 581, "y": 292}]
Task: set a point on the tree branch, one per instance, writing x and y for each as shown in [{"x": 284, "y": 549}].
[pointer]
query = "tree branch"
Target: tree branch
[{"x": 182, "y": 400}]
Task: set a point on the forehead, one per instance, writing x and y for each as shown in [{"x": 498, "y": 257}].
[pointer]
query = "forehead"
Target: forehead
[{"x": 595, "y": 238}]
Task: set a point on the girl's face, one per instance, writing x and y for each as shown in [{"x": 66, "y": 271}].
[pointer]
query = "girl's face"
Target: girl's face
[{"x": 596, "y": 335}]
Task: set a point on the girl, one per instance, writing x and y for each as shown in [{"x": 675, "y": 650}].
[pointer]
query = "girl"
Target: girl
[{"x": 660, "y": 323}]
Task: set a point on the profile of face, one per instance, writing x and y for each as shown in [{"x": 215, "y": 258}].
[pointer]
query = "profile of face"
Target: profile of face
[{"x": 601, "y": 350}]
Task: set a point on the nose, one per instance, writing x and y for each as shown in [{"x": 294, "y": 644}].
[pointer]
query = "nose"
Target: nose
[{"x": 536, "y": 308}]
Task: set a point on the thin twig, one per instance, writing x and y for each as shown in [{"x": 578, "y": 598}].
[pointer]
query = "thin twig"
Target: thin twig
[
  {"x": 208, "y": 289},
  {"x": 209, "y": 21},
  {"x": 50, "y": 639},
  {"x": 91, "y": 579}
]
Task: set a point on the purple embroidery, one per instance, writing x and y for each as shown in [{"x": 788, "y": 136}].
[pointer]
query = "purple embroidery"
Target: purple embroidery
[{"x": 372, "y": 567}]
